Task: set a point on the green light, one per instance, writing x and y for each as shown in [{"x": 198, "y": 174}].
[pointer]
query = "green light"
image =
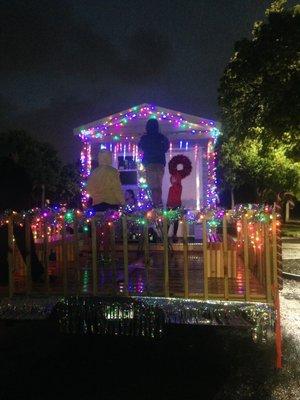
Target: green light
[
  {"x": 213, "y": 223},
  {"x": 69, "y": 216},
  {"x": 116, "y": 137}
]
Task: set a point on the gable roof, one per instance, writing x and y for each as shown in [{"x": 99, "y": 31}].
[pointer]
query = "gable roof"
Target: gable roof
[{"x": 132, "y": 122}]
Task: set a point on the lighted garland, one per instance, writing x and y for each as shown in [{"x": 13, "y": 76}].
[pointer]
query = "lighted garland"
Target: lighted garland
[
  {"x": 211, "y": 189},
  {"x": 114, "y": 123},
  {"x": 55, "y": 215},
  {"x": 49, "y": 222}
]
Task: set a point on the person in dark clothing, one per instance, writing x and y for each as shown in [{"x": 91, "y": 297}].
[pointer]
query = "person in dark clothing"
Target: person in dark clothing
[
  {"x": 154, "y": 146},
  {"x": 15, "y": 195}
]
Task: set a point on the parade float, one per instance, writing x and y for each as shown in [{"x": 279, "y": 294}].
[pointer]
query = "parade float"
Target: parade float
[{"x": 225, "y": 269}]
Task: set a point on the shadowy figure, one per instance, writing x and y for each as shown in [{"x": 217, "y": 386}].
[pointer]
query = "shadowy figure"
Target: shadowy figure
[
  {"x": 154, "y": 146},
  {"x": 16, "y": 196}
]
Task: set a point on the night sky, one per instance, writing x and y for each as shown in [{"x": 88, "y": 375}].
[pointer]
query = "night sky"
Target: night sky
[{"x": 65, "y": 63}]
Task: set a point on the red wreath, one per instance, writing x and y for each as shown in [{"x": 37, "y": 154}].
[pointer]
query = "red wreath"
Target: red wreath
[{"x": 183, "y": 160}]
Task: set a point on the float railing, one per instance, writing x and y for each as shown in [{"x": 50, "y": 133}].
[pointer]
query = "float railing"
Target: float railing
[{"x": 92, "y": 256}]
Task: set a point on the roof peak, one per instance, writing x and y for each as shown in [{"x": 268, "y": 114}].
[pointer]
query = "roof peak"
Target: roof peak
[{"x": 150, "y": 109}]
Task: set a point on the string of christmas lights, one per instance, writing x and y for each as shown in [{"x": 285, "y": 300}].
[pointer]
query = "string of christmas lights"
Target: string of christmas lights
[
  {"x": 110, "y": 129},
  {"x": 110, "y": 126},
  {"x": 54, "y": 218}
]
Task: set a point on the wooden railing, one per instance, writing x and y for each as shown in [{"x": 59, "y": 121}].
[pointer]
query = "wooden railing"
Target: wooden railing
[{"x": 105, "y": 261}]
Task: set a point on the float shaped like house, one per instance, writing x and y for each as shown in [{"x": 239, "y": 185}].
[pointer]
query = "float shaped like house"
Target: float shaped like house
[
  {"x": 189, "y": 135},
  {"x": 139, "y": 286}
]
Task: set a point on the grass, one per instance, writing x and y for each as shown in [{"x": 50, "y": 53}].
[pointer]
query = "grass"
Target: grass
[{"x": 291, "y": 229}]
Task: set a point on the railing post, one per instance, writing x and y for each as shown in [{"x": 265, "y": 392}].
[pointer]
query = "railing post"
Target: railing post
[
  {"x": 259, "y": 252},
  {"x": 94, "y": 255},
  {"x": 28, "y": 255},
  {"x": 64, "y": 257},
  {"x": 246, "y": 258},
  {"x": 46, "y": 257},
  {"x": 274, "y": 249},
  {"x": 225, "y": 256},
  {"x": 76, "y": 254},
  {"x": 113, "y": 252},
  {"x": 10, "y": 237},
  {"x": 166, "y": 257},
  {"x": 205, "y": 259},
  {"x": 185, "y": 259},
  {"x": 268, "y": 263},
  {"x": 125, "y": 253},
  {"x": 279, "y": 252},
  {"x": 146, "y": 253}
]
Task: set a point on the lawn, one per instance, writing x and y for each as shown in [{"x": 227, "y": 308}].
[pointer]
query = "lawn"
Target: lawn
[{"x": 291, "y": 229}]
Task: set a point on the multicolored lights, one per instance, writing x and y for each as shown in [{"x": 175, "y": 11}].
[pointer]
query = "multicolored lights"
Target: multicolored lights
[
  {"x": 110, "y": 134},
  {"x": 112, "y": 125},
  {"x": 211, "y": 190}
]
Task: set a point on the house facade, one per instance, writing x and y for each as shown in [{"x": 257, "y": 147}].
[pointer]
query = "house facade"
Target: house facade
[{"x": 189, "y": 135}]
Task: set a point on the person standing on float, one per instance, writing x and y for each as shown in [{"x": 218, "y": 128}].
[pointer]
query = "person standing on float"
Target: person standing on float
[{"x": 154, "y": 146}]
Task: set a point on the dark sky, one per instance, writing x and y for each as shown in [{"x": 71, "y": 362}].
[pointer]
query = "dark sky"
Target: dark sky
[{"x": 65, "y": 63}]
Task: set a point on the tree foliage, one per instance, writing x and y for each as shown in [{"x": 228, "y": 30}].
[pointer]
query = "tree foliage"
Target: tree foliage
[
  {"x": 68, "y": 188},
  {"x": 259, "y": 91},
  {"x": 248, "y": 164},
  {"x": 43, "y": 165},
  {"x": 259, "y": 103}
]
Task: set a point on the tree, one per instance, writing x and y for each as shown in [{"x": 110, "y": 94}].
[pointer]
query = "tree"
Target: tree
[
  {"x": 68, "y": 188},
  {"x": 259, "y": 103},
  {"x": 246, "y": 163},
  {"x": 229, "y": 167},
  {"x": 44, "y": 167},
  {"x": 259, "y": 90}
]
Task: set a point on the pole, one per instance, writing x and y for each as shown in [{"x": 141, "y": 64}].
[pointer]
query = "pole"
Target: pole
[
  {"x": 125, "y": 253},
  {"x": 94, "y": 255},
  {"x": 205, "y": 259},
  {"x": 146, "y": 253},
  {"x": 166, "y": 257},
  {"x": 10, "y": 235},
  {"x": 185, "y": 259},
  {"x": 225, "y": 256},
  {"x": 246, "y": 259},
  {"x": 28, "y": 255}
]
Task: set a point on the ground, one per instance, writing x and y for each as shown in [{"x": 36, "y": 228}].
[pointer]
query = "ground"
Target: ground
[
  {"x": 37, "y": 362},
  {"x": 291, "y": 256},
  {"x": 189, "y": 363},
  {"x": 291, "y": 229}
]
